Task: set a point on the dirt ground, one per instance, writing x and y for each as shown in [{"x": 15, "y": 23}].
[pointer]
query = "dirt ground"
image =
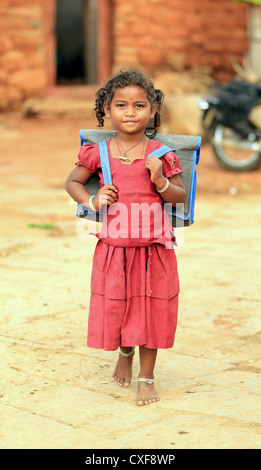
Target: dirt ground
[{"x": 56, "y": 393}]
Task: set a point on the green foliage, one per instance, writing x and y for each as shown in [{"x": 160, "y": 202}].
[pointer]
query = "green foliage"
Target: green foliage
[{"x": 255, "y": 2}]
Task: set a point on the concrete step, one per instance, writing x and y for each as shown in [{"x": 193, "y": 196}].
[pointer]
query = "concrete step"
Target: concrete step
[{"x": 62, "y": 101}]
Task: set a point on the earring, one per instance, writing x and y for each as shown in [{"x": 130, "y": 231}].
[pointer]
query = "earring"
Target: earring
[{"x": 150, "y": 135}]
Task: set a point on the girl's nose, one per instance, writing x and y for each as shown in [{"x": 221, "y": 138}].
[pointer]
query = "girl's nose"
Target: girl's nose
[{"x": 130, "y": 112}]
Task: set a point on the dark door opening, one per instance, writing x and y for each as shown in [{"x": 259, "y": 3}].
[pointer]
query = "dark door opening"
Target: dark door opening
[{"x": 76, "y": 42}]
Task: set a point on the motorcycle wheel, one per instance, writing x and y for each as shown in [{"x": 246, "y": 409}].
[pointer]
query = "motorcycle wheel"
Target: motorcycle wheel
[{"x": 233, "y": 152}]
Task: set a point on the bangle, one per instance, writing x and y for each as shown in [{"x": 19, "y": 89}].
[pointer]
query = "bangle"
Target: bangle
[
  {"x": 165, "y": 187},
  {"x": 90, "y": 204}
]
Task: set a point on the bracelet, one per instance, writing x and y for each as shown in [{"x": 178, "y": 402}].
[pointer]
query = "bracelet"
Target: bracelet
[
  {"x": 90, "y": 204},
  {"x": 165, "y": 187}
]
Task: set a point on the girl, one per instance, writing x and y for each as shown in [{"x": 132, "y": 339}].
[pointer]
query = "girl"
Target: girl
[{"x": 134, "y": 285}]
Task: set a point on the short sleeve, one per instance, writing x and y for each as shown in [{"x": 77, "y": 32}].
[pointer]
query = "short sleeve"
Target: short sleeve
[
  {"x": 170, "y": 165},
  {"x": 89, "y": 157}
]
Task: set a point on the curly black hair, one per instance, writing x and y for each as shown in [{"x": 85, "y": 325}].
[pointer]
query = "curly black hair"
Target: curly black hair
[{"x": 121, "y": 80}]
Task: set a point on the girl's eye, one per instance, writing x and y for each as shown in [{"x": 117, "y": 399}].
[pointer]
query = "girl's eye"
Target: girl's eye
[
  {"x": 140, "y": 105},
  {"x": 120, "y": 105}
]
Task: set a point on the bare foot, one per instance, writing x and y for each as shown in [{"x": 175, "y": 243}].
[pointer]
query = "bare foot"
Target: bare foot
[
  {"x": 146, "y": 393},
  {"x": 123, "y": 370}
]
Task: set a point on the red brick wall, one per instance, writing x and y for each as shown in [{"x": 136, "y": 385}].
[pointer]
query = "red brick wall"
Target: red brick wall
[
  {"x": 164, "y": 34},
  {"x": 157, "y": 34},
  {"x": 22, "y": 53}
]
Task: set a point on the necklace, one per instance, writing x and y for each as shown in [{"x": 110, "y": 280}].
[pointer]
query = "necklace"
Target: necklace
[{"x": 124, "y": 156}]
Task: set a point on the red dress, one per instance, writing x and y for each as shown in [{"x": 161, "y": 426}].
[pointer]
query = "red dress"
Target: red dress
[{"x": 134, "y": 284}]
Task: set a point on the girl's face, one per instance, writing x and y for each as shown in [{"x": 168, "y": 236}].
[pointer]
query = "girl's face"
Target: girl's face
[{"x": 130, "y": 110}]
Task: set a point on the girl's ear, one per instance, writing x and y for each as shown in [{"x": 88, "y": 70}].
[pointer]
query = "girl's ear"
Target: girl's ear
[
  {"x": 153, "y": 111},
  {"x": 107, "y": 111}
]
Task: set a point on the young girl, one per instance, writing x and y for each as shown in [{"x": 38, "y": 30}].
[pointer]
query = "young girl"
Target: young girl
[{"x": 134, "y": 285}]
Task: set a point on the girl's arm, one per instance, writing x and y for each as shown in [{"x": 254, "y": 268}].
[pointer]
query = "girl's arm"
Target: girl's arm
[
  {"x": 75, "y": 186},
  {"x": 176, "y": 192}
]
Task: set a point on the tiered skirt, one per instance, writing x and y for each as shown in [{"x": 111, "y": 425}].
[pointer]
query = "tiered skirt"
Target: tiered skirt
[{"x": 134, "y": 297}]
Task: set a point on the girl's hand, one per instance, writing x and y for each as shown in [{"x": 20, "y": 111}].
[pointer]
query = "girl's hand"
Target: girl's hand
[
  {"x": 105, "y": 196},
  {"x": 154, "y": 165}
]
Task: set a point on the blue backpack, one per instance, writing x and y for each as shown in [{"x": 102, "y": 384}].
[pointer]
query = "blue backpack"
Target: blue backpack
[{"x": 187, "y": 148}]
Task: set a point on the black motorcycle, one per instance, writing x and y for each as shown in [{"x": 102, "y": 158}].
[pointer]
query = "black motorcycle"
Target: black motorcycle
[{"x": 232, "y": 120}]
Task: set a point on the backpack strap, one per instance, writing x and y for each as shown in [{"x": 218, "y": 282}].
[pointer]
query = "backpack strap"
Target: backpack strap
[
  {"x": 105, "y": 162},
  {"x": 106, "y": 172},
  {"x": 159, "y": 152}
]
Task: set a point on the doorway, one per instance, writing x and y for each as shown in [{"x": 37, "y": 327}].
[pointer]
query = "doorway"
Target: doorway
[
  {"x": 95, "y": 38},
  {"x": 76, "y": 42}
]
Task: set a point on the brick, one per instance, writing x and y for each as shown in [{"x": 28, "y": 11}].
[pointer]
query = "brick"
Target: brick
[
  {"x": 215, "y": 60},
  {"x": 36, "y": 59},
  {"x": 5, "y": 43},
  {"x": 28, "y": 42},
  {"x": 34, "y": 11},
  {"x": 3, "y": 76},
  {"x": 10, "y": 98},
  {"x": 12, "y": 60},
  {"x": 193, "y": 22},
  {"x": 150, "y": 58},
  {"x": 28, "y": 80},
  {"x": 216, "y": 46},
  {"x": 3, "y": 99},
  {"x": 14, "y": 96},
  {"x": 198, "y": 37},
  {"x": 237, "y": 46},
  {"x": 17, "y": 3},
  {"x": 221, "y": 76}
]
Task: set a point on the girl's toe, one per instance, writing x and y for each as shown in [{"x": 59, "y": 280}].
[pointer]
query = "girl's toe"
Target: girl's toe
[{"x": 140, "y": 402}]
